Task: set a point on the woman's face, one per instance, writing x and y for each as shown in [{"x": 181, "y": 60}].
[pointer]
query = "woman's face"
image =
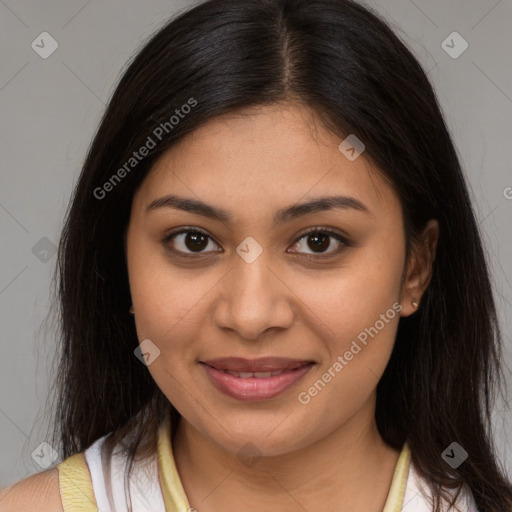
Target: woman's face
[{"x": 314, "y": 316}]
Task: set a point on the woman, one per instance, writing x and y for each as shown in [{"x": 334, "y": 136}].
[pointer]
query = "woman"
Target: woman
[{"x": 273, "y": 289}]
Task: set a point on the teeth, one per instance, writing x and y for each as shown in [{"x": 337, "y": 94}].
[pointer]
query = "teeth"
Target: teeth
[{"x": 259, "y": 375}]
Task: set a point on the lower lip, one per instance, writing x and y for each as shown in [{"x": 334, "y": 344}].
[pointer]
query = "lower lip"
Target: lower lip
[{"x": 254, "y": 388}]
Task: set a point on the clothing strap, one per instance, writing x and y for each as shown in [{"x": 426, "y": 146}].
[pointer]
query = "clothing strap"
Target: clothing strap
[
  {"x": 173, "y": 493},
  {"x": 75, "y": 485},
  {"x": 396, "y": 493}
]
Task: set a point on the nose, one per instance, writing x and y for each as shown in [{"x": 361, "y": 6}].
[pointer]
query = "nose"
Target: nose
[{"x": 254, "y": 298}]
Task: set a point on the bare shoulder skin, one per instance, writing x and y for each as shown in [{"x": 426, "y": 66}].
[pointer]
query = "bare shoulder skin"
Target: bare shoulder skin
[{"x": 36, "y": 492}]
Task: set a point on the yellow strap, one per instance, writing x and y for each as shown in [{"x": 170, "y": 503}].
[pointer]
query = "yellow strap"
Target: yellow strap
[
  {"x": 75, "y": 484},
  {"x": 174, "y": 496},
  {"x": 398, "y": 484}
]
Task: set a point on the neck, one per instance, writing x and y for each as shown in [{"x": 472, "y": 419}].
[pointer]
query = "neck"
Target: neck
[{"x": 348, "y": 470}]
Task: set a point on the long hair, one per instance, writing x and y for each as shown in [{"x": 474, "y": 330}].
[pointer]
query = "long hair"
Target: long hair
[{"x": 344, "y": 62}]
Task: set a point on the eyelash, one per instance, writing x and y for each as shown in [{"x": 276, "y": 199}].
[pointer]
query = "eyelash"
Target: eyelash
[{"x": 315, "y": 230}]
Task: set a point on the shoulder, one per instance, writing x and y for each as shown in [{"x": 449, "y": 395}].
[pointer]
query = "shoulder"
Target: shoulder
[{"x": 36, "y": 492}]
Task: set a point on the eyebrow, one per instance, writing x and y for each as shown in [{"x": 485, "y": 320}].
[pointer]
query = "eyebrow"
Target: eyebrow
[{"x": 283, "y": 215}]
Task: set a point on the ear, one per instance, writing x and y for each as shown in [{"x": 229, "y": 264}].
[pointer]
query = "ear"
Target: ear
[{"x": 419, "y": 268}]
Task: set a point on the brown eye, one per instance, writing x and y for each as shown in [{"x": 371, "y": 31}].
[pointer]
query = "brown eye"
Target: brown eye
[
  {"x": 195, "y": 241},
  {"x": 318, "y": 241},
  {"x": 189, "y": 241}
]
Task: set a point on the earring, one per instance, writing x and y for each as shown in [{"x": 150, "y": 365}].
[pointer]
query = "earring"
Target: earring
[
  {"x": 131, "y": 310},
  {"x": 414, "y": 304}
]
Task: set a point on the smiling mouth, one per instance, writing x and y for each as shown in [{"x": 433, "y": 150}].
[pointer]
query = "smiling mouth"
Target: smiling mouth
[{"x": 256, "y": 379}]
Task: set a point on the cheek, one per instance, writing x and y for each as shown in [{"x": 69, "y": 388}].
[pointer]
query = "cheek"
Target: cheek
[
  {"x": 356, "y": 312},
  {"x": 171, "y": 316},
  {"x": 359, "y": 295},
  {"x": 169, "y": 311},
  {"x": 166, "y": 298}
]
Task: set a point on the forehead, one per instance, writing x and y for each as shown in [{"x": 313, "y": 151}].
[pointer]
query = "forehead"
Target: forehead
[{"x": 264, "y": 157}]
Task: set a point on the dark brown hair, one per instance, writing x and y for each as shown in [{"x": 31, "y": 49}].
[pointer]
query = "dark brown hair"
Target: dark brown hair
[{"x": 343, "y": 62}]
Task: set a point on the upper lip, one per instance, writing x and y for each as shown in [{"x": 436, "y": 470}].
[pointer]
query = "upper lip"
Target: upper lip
[{"x": 263, "y": 364}]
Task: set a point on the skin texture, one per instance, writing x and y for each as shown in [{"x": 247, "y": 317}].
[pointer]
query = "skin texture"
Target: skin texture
[
  {"x": 215, "y": 304},
  {"x": 36, "y": 492}
]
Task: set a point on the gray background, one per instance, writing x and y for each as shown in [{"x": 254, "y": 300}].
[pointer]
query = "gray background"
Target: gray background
[{"x": 51, "y": 107}]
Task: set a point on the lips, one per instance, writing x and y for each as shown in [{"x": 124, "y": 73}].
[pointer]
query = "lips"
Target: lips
[{"x": 256, "y": 379}]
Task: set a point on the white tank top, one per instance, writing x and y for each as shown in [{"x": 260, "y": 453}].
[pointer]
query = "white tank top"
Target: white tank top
[{"x": 142, "y": 495}]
